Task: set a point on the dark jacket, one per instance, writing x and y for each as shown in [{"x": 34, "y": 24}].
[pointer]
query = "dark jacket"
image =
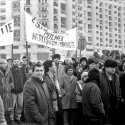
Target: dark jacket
[
  {"x": 92, "y": 102},
  {"x": 109, "y": 98},
  {"x": 19, "y": 79},
  {"x": 36, "y": 102}
]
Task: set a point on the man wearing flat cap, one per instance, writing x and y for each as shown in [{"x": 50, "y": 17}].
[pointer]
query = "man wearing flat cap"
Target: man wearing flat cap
[{"x": 110, "y": 90}]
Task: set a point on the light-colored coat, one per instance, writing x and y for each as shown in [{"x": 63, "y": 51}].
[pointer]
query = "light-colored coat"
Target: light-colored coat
[
  {"x": 60, "y": 73},
  {"x": 68, "y": 91},
  {"x": 6, "y": 84}
]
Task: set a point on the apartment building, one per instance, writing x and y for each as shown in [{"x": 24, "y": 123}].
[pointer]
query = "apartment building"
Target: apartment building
[
  {"x": 104, "y": 25},
  {"x": 100, "y": 21}
]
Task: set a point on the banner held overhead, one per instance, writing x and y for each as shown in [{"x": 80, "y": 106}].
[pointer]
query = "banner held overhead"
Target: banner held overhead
[{"x": 38, "y": 34}]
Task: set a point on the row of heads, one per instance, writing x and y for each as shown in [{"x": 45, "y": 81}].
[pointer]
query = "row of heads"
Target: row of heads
[{"x": 107, "y": 63}]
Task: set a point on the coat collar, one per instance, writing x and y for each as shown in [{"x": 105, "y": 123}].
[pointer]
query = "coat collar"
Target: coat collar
[{"x": 6, "y": 72}]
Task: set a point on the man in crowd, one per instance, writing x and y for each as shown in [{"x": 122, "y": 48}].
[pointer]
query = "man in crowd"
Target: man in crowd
[
  {"x": 17, "y": 91},
  {"x": 6, "y": 84},
  {"x": 38, "y": 110},
  {"x": 53, "y": 87},
  {"x": 110, "y": 90},
  {"x": 60, "y": 68}
]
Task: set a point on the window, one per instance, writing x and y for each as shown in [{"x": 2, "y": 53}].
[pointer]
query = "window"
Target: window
[
  {"x": 110, "y": 40},
  {"x": 3, "y": 3},
  {"x": 89, "y": 26},
  {"x": 2, "y": 17},
  {"x": 2, "y": 10},
  {"x": 89, "y": 38},
  {"x": 63, "y": 22},
  {"x": 55, "y": 26},
  {"x": 55, "y": 4},
  {"x": 101, "y": 40},
  {"x": 100, "y": 15},
  {"x": 15, "y": 47},
  {"x": 63, "y": 8},
  {"x": 28, "y": 46},
  {"x": 55, "y": 11},
  {"x": 110, "y": 23},
  {"x": 17, "y": 24},
  {"x": 89, "y": 14},
  {"x": 40, "y": 46},
  {"x": 55, "y": 18},
  {"x": 97, "y": 44},
  {"x": 45, "y": 24},
  {"x": 80, "y": 22},
  {"x": 43, "y": 9},
  {"x": 2, "y": 47},
  {"x": 16, "y": 4},
  {"x": 101, "y": 34},
  {"x": 16, "y": 19},
  {"x": 16, "y": 33},
  {"x": 1, "y": 24}
]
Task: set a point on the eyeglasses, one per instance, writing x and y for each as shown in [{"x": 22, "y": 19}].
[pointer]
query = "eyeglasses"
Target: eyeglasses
[{"x": 38, "y": 70}]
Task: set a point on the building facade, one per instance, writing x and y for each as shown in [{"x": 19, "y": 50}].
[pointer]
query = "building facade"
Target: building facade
[
  {"x": 101, "y": 22},
  {"x": 104, "y": 25}
]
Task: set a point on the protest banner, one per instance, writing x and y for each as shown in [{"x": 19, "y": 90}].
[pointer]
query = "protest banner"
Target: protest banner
[
  {"x": 38, "y": 34},
  {"x": 6, "y": 33}
]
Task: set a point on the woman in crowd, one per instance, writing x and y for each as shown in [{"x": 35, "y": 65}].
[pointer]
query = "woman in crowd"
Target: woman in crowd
[
  {"x": 69, "y": 105},
  {"x": 93, "y": 110}
]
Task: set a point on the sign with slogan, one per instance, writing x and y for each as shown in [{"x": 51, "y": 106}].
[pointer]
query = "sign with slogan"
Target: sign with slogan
[
  {"x": 38, "y": 34},
  {"x": 6, "y": 33}
]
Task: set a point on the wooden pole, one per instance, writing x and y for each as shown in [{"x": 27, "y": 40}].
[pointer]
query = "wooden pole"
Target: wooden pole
[
  {"x": 27, "y": 56},
  {"x": 12, "y": 52},
  {"x": 80, "y": 53}
]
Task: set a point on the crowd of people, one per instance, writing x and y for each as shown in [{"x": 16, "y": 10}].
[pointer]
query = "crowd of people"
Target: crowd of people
[{"x": 88, "y": 91}]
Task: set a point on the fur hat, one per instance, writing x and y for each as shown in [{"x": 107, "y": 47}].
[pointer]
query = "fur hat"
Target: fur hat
[
  {"x": 83, "y": 58},
  {"x": 110, "y": 63},
  {"x": 90, "y": 61},
  {"x": 56, "y": 56}
]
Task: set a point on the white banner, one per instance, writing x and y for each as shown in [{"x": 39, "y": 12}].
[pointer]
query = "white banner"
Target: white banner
[
  {"x": 38, "y": 34},
  {"x": 6, "y": 33}
]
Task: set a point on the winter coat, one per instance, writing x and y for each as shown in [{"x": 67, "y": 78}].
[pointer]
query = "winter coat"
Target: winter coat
[
  {"x": 109, "y": 98},
  {"x": 92, "y": 102},
  {"x": 122, "y": 84},
  {"x": 52, "y": 91},
  {"x": 2, "y": 117},
  {"x": 6, "y": 84},
  {"x": 19, "y": 79},
  {"x": 68, "y": 89},
  {"x": 37, "y": 105}
]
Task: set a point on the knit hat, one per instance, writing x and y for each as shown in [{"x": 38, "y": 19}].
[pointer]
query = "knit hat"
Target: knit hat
[
  {"x": 90, "y": 61},
  {"x": 110, "y": 63},
  {"x": 83, "y": 58},
  {"x": 56, "y": 56}
]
